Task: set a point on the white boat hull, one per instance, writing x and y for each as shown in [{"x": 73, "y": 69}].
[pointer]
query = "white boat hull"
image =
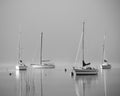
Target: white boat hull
[
  {"x": 106, "y": 66},
  {"x": 81, "y": 71},
  {"x": 21, "y": 67},
  {"x": 43, "y": 66}
]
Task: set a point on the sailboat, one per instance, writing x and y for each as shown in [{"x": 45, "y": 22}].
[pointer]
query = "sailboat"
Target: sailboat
[
  {"x": 85, "y": 70},
  {"x": 105, "y": 64},
  {"x": 42, "y": 65},
  {"x": 21, "y": 65}
]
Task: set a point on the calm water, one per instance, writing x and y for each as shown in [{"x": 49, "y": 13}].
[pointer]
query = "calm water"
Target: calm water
[{"x": 58, "y": 82}]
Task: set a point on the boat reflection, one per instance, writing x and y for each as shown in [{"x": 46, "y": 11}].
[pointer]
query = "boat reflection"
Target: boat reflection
[
  {"x": 84, "y": 82},
  {"x": 23, "y": 87},
  {"x": 29, "y": 83},
  {"x": 104, "y": 73}
]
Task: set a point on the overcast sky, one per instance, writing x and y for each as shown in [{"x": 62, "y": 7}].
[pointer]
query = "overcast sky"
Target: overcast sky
[{"x": 61, "y": 22}]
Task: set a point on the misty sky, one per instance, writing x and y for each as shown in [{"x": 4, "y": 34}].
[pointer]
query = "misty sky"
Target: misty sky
[{"x": 61, "y": 22}]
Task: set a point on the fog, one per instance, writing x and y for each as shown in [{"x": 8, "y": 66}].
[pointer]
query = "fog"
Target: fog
[{"x": 61, "y": 22}]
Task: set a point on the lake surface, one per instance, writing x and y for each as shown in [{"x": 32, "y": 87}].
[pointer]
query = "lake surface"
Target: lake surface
[{"x": 58, "y": 82}]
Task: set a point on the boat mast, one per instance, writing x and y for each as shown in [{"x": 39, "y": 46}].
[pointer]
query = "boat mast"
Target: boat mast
[
  {"x": 83, "y": 45},
  {"x": 19, "y": 50},
  {"x": 19, "y": 45},
  {"x": 41, "y": 48},
  {"x": 104, "y": 48}
]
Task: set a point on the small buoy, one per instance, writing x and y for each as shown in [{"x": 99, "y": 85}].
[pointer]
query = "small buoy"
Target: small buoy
[
  {"x": 72, "y": 74},
  {"x": 65, "y": 69},
  {"x": 10, "y": 73}
]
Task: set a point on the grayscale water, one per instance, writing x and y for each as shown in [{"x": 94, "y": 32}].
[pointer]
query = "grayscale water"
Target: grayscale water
[{"x": 58, "y": 82}]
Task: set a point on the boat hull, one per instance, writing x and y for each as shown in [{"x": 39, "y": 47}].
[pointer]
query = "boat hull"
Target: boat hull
[
  {"x": 21, "y": 67},
  {"x": 80, "y": 71},
  {"x": 38, "y": 66},
  {"x": 108, "y": 66}
]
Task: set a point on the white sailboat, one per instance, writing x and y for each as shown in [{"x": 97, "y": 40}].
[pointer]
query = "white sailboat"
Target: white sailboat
[
  {"x": 42, "y": 65},
  {"x": 85, "y": 70},
  {"x": 105, "y": 64},
  {"x": 21, "y": 65}
]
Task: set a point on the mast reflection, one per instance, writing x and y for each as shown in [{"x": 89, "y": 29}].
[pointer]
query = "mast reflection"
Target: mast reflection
[
  {"x": 23, "y": 87},
  {"x": 29, "y": 83},
  {"x": 105, "y": 81},
  {"x": 84, "y": 82}
]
